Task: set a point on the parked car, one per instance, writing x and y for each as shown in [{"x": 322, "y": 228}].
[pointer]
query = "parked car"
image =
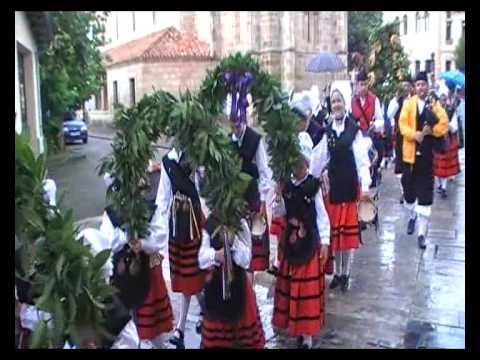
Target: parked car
[{"x": 74, "y": 129}]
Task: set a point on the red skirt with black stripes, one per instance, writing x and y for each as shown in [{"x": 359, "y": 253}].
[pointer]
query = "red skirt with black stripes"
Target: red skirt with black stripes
[
  {"x": 155, "y": 316},
  {"x": 260, "y": 252},
  {"x": 344, "y": 228},
  {"x": 299, "y": 304},
  {"x": 276, "y": 228},
  {"x": 447, "y": 164},
  {"x": 247, "y": 333},
  {"x": 186, "y": 276}
]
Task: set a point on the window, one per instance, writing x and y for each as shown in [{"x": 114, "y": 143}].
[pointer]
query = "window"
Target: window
[
  {"x": 316, "y": 36},
  {"x": 448, "y": 65},
  {"x": 98, "y": 100},
  {"x": 133, "y": 20},
  {"x": 154, "y": 16},
  {"x": 115, "y": 93},
  {"x": 132, "y": 91},
  {"x": 308, "y": 26},
  {"x": 426, "y": 19},
  {"x": 428, "y": 66},
  {"x": 405, "y": 24},
  {"x": 449, "y": 28},
  {"x": 417, "y": 66},
  {"x": 463, "y": 27},
  {"x": 417, "y": 22}
]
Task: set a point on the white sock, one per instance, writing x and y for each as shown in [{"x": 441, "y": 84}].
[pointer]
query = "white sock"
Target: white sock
[
  {"x": 159, "y": 341},
  {"x": 307, "y": 339},
  {"x": 411, "y": 210},
  {"x": 347, "y": 257},
  {"x": 443, "y": 183},
  {"x": 184, "y": 312},
  {"x": 422, "y": 225},
  {"x": 338, "y": 263}
]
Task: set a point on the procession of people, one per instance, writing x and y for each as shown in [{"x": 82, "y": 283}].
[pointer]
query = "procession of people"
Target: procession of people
[{"x": 315, "y": 217}]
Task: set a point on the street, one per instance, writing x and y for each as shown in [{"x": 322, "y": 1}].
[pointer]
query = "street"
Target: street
[{"x": 400, "y": 296}]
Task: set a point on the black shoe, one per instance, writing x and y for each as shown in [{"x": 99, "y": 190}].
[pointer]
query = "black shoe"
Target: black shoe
[
  {"x": 335, "y": 282},
  {"x": 363, "y": 226},
  {"x": 421, "y": 242},
  {"x": 299, "y": 342},
  {"x": 198, "y": 327},
  {"x": 444, "y": 194},
  {"x": 439, "y": 190},
  {"x": 411, "y": 226},
  {"x": 401, "y": 200},
  {"x": 178, "y": 339},
  {"x": 273, "y": 270},
  {"x": 345, "y": 282}
]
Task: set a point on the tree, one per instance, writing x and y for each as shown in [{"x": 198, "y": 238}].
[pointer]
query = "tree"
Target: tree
[
  {"x": 71, "y": 68},
  {"x": 387, "y": 60},
  {"x": 360, "y": 26},
  {"x": 460, "y": 53}
]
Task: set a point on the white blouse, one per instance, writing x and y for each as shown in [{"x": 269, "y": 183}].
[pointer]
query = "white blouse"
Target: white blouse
[
  {"x": 241, "y": 249},
  {"x": 323, "y": 221},
  {"x": 321, "y": 156}
]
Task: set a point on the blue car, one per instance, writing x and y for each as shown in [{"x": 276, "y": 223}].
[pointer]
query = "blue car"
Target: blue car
[{"x": 74, "y": 129}]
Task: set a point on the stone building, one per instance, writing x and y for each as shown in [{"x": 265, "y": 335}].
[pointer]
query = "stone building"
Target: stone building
[{"x": 284, "y": 42}]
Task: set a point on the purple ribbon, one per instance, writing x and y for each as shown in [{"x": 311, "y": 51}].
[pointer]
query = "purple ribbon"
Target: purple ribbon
[{"x": 237, "y": 83}]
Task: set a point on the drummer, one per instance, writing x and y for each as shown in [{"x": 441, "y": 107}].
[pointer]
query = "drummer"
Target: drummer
[{"x": 343, "y": 154}]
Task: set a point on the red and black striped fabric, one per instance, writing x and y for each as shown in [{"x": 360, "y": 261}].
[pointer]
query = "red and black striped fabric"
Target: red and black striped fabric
[
  {"x": 260, "y": 253},
  {"x": 155, "y": 316},
  {"x": 344, "y": 228},
  {"x": 447, "y": 164},
  {"x": 299, "y": 305},
  {"x": 247, "y": 333},
  {"x": 185, "y": 273},
  {"x": 276, "y": 228}
]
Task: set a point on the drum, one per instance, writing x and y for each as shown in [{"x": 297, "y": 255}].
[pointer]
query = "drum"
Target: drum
[
  {"x": 259, "y": 225},
  {"x": 367, "y": 211}
]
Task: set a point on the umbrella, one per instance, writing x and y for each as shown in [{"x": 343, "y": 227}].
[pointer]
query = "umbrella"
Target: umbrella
[
  {"x": 455, "y": 76},
  {"x": 326, "y": 62}
]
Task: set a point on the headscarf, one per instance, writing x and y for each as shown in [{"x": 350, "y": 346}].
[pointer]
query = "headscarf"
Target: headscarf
[{"x": 306, "y": 145}]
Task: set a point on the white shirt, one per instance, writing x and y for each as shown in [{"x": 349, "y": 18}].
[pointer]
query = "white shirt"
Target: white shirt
[
  {"x": 128, "y": 338},
  {"x": 323, "y": 222},
  {"x": 421, "y": 105},
  {"x": 262, "y": 166},
  {"x": 378, "y": 116},
  {"x": 321, "y": 156},
  {"x": 393, "y": 107},
  {"x": 241, "y": 249}
]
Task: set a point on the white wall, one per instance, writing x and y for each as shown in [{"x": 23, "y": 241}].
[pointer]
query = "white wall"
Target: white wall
[
  {"x": 122, "y": 75},
  {"x": 24, "y": 36}
]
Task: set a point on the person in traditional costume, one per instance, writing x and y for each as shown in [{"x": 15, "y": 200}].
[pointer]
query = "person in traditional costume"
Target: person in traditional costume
[
  {"x": 145, "y": 291},
  {"x": 393, "y": 113},
  {"x": 251, "y": 148},
  {"x": 366, "y": 110},
  {"x": 299, "y": 304},
  {"x": 303, "y": 108},
  {"x": 421, "y": 124},
  {"x": 178, "y": 200},
  {"x": 343, "y": 154},
  {"x": 231, "y": 318},
  {"x": 446, "y": 163}
]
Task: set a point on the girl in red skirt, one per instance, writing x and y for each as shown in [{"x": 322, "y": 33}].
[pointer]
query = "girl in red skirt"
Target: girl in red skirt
[
  {"x": 233, "y": 322},
  {"x": 343, "y": 152},
  {"x": 154, "y": 317},
  {"x": 179, "y": 202},
  {"x": 299, "y": 305},
  {"x": 447, "y": 164}
]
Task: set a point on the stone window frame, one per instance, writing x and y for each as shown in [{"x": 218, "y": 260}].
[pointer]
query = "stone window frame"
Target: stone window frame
[
  {"x": 417, "y": 22},
  {"x": 405, "y": 24}
]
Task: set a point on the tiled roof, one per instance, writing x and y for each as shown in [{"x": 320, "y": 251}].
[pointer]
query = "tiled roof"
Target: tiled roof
[{"x": 163, "y": 45}]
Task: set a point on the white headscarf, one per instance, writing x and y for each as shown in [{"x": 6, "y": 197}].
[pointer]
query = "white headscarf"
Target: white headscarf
[{"x": 50, "y": 191}]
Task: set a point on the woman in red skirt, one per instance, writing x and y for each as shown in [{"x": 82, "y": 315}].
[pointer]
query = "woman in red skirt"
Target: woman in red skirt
[
  {"x": 179, "y": 202},
  {"x": 343, "y": 152},
  {"x": 234, "y": 321},
  {"x": 299, "y": 305},
  {"x": 446, "y": 164}
]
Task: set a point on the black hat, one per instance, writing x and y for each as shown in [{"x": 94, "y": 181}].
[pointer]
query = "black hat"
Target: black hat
[
  {"x": 362, "y": 76},
  {"x": 421, "y": 76}
]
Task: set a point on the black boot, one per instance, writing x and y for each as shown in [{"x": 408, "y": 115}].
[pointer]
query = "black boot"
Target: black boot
[
  {"x": 444, "y": 194},
  {"x": 198, "y": 326},
  {"x": 401, "y": 200},
  {"x": 345, "y": 282},
  {"x": 335, "y": 282},
  {"x": 178, "y": 339},
  {"x": 421, "y": 242},
  {"x": 273, "y": 270},
  {"x": 411, "y": 226}
]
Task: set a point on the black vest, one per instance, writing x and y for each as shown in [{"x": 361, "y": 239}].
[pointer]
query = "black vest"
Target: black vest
[
  {"x": 429, "y": 142},
  {"x": 180, "y": 178},
  {"x": 247, "y": 152},
  {"x": 342, "y": 170},
  {"x": 117, "y": 317},
  {"x": 216, "y": 308},
  {"x": 315, "y": 132},
  {"x": 300, "y": 204}
]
